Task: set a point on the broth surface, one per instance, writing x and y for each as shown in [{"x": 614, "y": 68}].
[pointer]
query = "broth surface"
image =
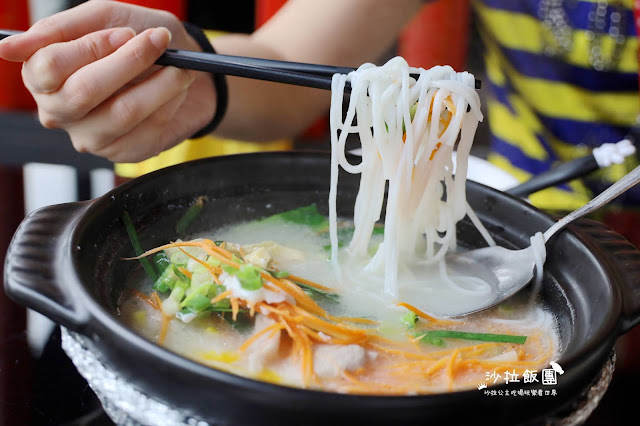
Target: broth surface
[{"x": 400, "y": 354}]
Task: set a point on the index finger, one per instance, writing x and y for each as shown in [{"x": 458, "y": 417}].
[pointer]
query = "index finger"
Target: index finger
[{"x": 65, "y": 26}]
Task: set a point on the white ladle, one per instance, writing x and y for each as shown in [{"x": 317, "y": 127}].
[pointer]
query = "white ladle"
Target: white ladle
[{"x": 509, "y": 271}]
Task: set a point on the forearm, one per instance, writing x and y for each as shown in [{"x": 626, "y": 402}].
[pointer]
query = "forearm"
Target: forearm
[{"x": 333, "y": 32}]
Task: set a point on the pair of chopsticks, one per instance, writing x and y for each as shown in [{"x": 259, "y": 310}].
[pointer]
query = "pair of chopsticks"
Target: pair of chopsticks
[{"x": 296, "y": 73}]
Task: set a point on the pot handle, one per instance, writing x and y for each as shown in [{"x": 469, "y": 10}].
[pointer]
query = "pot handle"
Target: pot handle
[
  {"x": 33, "y": 266},
  {"x": 623, "y": 259}
]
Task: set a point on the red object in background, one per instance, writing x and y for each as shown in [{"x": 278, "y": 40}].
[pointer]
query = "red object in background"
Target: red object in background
[
  {"x": 177, "y": 7},
  {"x": 14, "y": 15},
  {"x": 265, "y": 9},
  {"x": 438, "y": 35}
]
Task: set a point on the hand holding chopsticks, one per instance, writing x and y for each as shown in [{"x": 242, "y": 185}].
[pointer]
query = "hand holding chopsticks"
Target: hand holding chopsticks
[{"x": 296, "y": 73}]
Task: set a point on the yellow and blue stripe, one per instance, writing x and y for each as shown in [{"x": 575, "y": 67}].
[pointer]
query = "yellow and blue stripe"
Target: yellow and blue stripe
[{"x": 546, "y": 109}]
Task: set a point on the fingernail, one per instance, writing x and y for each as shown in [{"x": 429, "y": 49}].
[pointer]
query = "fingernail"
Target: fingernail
[
  {"x": 160, "y": 37},
  {"x": 120, "y": 36},
  {"x": 9, "y": 39}
]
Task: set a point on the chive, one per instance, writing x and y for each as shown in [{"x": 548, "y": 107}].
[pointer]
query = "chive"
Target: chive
[
  {"x": 486, "y": 337},
  {"x": 410, "y": 319},
  {"x": 312, "y": 291},
  {"x": 192, "y": 212},
  {"x": 133, "y": 236}
]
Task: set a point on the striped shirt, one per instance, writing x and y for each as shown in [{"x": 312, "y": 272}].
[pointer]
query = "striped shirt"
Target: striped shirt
[{"x": 543, "y": 107}]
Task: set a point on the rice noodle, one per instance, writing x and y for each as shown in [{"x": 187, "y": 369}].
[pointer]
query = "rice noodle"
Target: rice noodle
[{"x": 418, "y": 206}]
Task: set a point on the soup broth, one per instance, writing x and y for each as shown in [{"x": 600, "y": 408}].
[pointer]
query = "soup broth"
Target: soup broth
[{"x": 357, "y": 340}]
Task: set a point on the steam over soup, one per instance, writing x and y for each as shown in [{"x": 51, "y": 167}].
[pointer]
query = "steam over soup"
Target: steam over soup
[{"x": 346, "y": 305}]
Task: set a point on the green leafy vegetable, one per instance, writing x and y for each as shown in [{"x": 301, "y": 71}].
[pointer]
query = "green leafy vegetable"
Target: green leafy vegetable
[
  {"x": 308, "y": 215},
  {"x": 485, "y": 337}
]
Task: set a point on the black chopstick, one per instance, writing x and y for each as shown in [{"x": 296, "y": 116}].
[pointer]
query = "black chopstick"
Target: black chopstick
[
  {"x": 230, "y": 65},
  {"x": 296, "y": 73}
]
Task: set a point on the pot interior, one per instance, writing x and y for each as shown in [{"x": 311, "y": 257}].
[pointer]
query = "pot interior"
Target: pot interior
[{"x": 246, "y": 187}]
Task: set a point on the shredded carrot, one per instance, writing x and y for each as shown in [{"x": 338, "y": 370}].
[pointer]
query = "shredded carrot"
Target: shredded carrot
[
  {"x": 164, "y": 328},
  {"x": 234, "y": 307},
  {"x": 149, "y": 300},
  {"x": 156, "y": 299},
  {"x": 185, "y": 271},
  {"x": 221, "y": 296},
  {"x": 450, "y": 368},
  {"x": 256, "y": 336},
  {"x": 310, "y": 283},
  {"x": 433, "y": 153},
  {"x": 425, "y": 316}
]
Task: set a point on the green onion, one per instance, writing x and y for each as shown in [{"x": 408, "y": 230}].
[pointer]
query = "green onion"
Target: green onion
[
  {"x": 279, "y": 274},
  {"x": 249, "y": 277},
  {"x": 218, "y": 242},
  {"x": 161, "y": 261},
  {"x": 133, "y": 236},
  {"x": 197, "y": 303},
  {"x": 192, "y": 212},
  {"x": 410, "y": 319},
  {"x": 485, "y": 337},
  {"x": 202, "y": 290},
  {"x": 181, "y": 277},
  {"x": 166, "y": 281},
  {"x": 431, "y": 340},
  {"x": 179, "y": 258},
  {"x": 231, "y": 270},
  {"x": 177, "y": 293}
]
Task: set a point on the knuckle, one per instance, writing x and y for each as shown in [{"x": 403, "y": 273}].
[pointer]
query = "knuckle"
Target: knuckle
[
  {"x": 94, "y": 47},
  {"x": 125, "y": 113},
  {"x": 80, "y": 144},
  {"x": 137, "y": 55},
  {"x": 47, "y": 120},
  {"x": 78, "y": 98},
  {"x": 42, "y": 72}
]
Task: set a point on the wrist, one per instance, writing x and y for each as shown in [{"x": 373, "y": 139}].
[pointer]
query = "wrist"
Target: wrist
[{"x": 218, "y": 80}]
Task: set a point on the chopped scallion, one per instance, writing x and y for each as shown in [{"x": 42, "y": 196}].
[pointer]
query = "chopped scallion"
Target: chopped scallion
[{"x": 410, "y": 319}]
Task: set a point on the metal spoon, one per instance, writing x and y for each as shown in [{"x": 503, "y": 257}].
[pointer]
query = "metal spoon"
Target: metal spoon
[{"x": 509, "y": 271}]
